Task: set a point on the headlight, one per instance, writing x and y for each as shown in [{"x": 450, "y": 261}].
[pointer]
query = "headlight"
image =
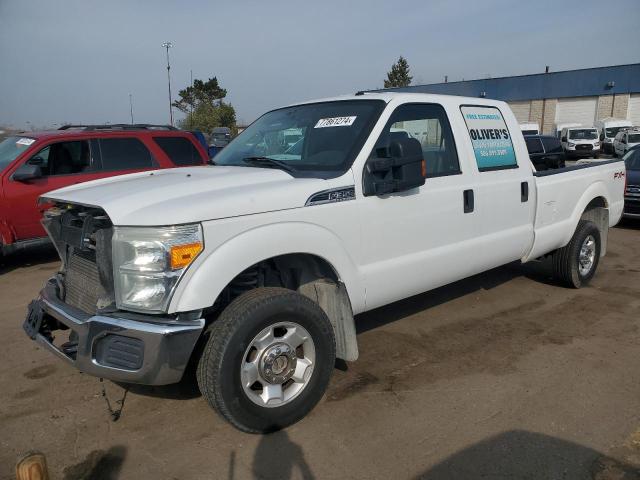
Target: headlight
[
  {"x": 571, "y": 144},
  {"x": 148, "y": 263},
  {"x": 597, "y": 144}
]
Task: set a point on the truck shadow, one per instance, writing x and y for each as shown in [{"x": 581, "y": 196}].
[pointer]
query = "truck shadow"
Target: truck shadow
[
  {"x": 629, "y": 224},
  {"x": 522, "y": 454},
  {"x": 539, "y": 271}
]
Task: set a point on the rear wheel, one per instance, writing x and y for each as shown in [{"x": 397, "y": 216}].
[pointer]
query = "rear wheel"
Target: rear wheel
[
  {"x": 575, "y": 264},
  {"x": 268, "y": 359}
]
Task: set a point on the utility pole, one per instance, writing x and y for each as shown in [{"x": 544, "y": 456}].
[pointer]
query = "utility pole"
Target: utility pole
[
  {"x": 168, "y": 45},
  {"x": 131, "y": 107},
  {"x": 191, "y": 118}
]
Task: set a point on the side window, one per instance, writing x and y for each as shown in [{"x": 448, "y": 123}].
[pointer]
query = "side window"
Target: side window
[
  {"x": 533, "y": 145},
  {"x": 428, "y": 124},
  {"x": 490, "y": 138},
  {"x": 179, "y": 150},
  {"x": 63, "y": 158},
  {"x": 124, "y": 154},
  {"x": 552, "y": 145}
]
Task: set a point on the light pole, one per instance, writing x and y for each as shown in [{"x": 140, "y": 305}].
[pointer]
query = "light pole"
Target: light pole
[
  {"x": 168, "y": 45},
  {"x": 131, "y": 107}
]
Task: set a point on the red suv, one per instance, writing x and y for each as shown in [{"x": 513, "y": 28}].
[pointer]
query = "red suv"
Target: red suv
[{"x": 34, "y": 163}]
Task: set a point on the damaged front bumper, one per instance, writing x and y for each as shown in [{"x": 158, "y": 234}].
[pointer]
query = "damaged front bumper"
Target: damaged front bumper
[{"x": 144, "y": 350}]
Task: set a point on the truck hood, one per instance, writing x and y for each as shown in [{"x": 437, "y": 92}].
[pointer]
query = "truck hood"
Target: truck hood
[{"x": 191, "y": 194}]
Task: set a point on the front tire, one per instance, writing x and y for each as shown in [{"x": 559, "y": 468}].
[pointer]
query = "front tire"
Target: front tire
[
  {"x": 575, "y": 264},
  {"x": 268, "y": 359}
]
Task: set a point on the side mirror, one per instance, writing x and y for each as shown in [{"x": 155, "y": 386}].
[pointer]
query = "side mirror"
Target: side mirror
[
  {"x": 39, "y": 161},
  {"x": 602, "y": 137},
  {"x": 401, "y": 168},
  {"x": 27, "y": 172},
  {"x": 564, "y": 139}
]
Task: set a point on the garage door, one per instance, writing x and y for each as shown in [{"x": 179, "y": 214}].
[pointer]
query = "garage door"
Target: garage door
[
  {"x": 521, "y": 110},
  {"x": 634, "y": 109},
  {"x": 579, "y": 110}
]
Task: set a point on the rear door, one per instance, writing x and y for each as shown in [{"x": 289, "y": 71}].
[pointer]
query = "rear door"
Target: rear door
[
  {"x": 62, "y": 163},
  {"x": 504, "y": 188}
]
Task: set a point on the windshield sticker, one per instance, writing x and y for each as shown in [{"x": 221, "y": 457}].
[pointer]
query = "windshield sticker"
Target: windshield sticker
[
  {"x": 25, "y": 141},
  {"x": 335, "y": 122},
  {"x": 490, "y": 137}
]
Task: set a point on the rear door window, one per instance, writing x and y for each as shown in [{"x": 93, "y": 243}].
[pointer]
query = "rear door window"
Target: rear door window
[
  {"x": 490, "y": 138},
  {"x": 180, "y": 150},
  {"x": 552, "y": 145},
  {"x": 534, "y": 145},
  {"x": 124, "y": 154}
]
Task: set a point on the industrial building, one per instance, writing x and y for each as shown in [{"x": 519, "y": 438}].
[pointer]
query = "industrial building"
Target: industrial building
[{"x": 550, "y": 98}]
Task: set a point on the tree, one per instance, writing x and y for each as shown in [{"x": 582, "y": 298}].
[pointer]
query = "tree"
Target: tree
[
  {"x": 398, "y": 76},
  {"x": 204, "y": 106}
]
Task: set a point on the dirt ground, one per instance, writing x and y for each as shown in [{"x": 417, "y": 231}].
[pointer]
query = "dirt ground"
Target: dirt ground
[{"x": 503, "y": 375}]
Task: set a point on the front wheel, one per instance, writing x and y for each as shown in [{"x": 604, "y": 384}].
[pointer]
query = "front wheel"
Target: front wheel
[
  {"x": 575, "y": 264},
  {"x": 268, "y": 359}
]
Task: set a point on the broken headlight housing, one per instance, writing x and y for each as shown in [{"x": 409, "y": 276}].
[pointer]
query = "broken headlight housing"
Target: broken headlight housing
[{"x": 148, "y": 263}]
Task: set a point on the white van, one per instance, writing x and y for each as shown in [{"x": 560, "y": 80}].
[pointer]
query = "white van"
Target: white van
[
  {"x": 608, "y": 128},
  {"x": 580, "y": 142},
  {"x": 561, "y": 126},
  {"x": 530, "y": 128}
]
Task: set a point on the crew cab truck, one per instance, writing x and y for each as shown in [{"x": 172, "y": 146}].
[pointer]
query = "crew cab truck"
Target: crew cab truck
[{"x": 254, "y": 268}]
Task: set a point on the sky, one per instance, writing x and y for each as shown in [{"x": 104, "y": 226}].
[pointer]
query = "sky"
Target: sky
[{"x": 77, "y": 61}]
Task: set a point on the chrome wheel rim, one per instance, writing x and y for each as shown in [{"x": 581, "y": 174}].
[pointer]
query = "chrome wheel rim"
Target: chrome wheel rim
[
  {"x": 278, "y": 364},
  {"x": 587, "y": 255}
]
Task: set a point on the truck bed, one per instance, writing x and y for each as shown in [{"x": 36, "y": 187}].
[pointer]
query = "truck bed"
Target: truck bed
[{"x": 564, "y": 194}]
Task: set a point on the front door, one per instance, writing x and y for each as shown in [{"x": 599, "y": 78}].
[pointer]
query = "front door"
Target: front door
[
  {"x": 422, "y": 238},
  {"x": 62, "y": 164}
]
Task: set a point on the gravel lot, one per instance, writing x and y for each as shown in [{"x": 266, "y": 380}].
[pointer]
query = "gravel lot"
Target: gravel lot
[{"x": 504, "y": 375}]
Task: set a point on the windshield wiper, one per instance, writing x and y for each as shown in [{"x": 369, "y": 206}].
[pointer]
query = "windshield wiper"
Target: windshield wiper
[{"x": 268, "y": 162}]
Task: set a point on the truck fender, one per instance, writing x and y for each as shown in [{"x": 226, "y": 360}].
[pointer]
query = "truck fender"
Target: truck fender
[{"x": 205, "y": 280}]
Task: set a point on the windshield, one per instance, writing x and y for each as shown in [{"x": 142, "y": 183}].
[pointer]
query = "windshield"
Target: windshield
[
  {"x": 612, "y": 131},
  {"x": 633, "y": 138},
  {"x": 11, "y": 147},
  {"x": 632, "y": 159},
  {"x": 583, "y": 134},
  {"x": 317, "y": 139}
]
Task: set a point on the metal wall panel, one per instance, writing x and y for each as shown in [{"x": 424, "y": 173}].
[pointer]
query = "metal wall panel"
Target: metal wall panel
[{"x": 580, "y": 110}]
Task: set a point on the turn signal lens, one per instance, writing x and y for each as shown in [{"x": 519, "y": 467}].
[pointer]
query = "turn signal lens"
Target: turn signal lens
[
  {"x": 183, "y": 255},
  {"x": 424, "y": 168}
]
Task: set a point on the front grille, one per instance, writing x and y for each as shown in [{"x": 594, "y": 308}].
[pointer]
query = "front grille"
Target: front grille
[
  {"x": 82, "y": 282},
  {"x": 82, "y": 236},
  {"x": 584, "y": 147}
]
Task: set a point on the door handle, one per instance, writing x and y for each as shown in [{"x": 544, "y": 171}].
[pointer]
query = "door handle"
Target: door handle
[
  {"x": 524, "y": 192},
  {"x": 467, "y": 197}
]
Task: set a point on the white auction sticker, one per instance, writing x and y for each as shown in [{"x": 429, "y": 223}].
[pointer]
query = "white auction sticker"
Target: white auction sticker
[
  {"x": 25, "y": 141},
  {"x": 335, "y": 122}
]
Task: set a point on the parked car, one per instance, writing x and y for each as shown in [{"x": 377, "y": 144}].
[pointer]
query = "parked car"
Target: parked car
[
  {"x": 580, "y": 142},
  {"x": 220, "y": 138},
  {"x": 624, "y": 140},
  {"x": 33, "y": 163},
  {"x": 263, "y": 260},
  {"x": 632, "y": 191},
  {"x": 530, "y": 128},
  {"x": 608, "y": 128},
  {"x": 545, "y": 151}
]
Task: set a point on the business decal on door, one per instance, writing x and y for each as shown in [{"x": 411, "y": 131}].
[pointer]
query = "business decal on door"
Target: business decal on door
[{"x": 490, "y": 137}]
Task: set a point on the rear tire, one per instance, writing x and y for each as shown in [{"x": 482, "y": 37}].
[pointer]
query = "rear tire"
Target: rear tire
[
  {"x": 575, "y": 264},
  {"x": 281, "y": 339}
]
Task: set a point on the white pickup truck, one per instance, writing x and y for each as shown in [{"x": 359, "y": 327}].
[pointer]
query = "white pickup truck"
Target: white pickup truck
[{"x": 254, "y": 268}]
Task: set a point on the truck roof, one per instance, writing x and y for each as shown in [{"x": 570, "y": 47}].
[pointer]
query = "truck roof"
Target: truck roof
[
  {"x": 81, "y": 132},
  {"x": 407, "y": 97}
]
